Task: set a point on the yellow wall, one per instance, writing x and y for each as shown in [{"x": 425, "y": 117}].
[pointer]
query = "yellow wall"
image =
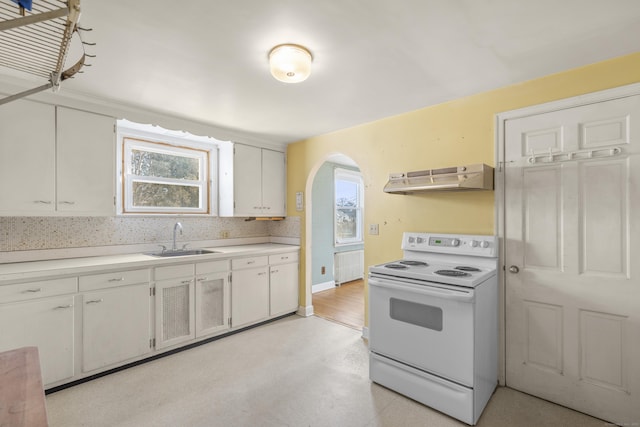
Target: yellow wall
[{"x": 448, "y": 134}]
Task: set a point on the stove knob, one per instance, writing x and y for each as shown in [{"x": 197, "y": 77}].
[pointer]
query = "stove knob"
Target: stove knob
[
  {"x": 420, "y": 240},
  {"x": 473, "y": 243},
  {"x": 484, "y": 244},
  {"x": 455, "y": 242},
  {"x": 411, "y": 239}
]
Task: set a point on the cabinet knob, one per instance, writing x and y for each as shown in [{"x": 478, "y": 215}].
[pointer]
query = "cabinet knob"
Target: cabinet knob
[
  {"x": 66, "y": 202},
  {"x": 119, "y": 279},
  {"x": 42, "y": 202},
  {"x": 30, "y": 291},
  {"x": 94, "y": 301},
  {"x": 62, "y": 307}
]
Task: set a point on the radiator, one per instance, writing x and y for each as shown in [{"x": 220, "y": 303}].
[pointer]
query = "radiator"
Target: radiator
[{"x": 348, "y": 266}]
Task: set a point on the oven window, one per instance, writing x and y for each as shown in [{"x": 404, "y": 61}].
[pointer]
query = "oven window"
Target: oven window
[{"x": 426, "y": 316}]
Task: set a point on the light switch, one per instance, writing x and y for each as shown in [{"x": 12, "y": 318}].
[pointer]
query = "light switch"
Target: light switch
[{"x": 373, "y": 229}]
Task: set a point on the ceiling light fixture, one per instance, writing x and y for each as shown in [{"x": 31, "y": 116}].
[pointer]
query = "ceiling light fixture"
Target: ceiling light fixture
[{"x": 290, "y": 63}]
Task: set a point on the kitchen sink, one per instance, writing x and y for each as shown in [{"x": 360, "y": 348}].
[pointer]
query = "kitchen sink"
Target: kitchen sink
[{"x": 185, "y": 252}]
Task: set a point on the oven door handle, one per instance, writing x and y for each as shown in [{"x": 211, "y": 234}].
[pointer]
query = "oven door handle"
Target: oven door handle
[{"x": 431, "y": 291}]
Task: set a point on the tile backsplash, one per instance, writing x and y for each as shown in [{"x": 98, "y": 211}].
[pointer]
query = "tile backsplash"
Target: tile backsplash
[{"x": 34, "y": 233}]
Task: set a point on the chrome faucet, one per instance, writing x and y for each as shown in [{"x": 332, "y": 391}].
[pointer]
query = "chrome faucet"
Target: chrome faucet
[{"x": 175, "y": 228}]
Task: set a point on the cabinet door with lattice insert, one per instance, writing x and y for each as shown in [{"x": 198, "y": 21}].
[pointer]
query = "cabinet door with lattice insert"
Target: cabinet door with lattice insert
[
  {"x": 175, "y": 318},
  {"x": 212, "y": 303}
]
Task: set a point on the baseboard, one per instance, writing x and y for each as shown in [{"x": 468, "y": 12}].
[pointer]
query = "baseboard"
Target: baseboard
[
  {"x": 365, "y": 332},
  {"x": 305, "y": 311},
  {"x": 323, "y": 286}
]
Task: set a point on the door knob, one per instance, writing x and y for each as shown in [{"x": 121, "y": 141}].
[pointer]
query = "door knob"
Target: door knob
[{"x": 514, "y": 269}]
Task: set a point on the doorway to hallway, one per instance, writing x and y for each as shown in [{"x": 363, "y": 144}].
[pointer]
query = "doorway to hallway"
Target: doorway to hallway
[{"x": 335, "y": 225}]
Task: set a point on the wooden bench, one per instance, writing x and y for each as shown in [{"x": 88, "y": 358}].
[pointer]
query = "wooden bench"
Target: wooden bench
[{"x": 22, "y": 400}]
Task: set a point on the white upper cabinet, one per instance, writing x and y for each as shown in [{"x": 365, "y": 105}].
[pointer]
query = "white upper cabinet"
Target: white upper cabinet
[
  {"x": 85, "y": 163},
  {"x": 252, "y": 182},
  {"x": 273, "y": 183},
  {"x": 247, "y": 180},
  {"x": 55, "y": 161},
  {"x": 27, "y": 158}
]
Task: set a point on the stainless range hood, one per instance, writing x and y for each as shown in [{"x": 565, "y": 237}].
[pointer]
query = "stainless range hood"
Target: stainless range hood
[{"x": 460, "y": 178}]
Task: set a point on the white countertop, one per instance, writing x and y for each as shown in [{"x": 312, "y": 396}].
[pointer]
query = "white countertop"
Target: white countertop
[{"x": 36, "y": 270}]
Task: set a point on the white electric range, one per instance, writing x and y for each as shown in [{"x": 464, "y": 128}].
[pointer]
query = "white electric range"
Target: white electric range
[{"x": 433, "y": 322}]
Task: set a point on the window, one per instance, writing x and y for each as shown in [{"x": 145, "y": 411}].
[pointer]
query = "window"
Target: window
[
  {"x": 163, "y": 178},
  {"x": 348, "y": 206}
]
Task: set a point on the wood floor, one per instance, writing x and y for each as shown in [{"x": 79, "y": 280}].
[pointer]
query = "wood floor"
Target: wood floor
[{"x": 343, "y": 304}]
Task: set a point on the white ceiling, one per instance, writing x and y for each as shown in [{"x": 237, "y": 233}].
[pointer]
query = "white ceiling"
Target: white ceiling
[{"x": 206, "y": 60}]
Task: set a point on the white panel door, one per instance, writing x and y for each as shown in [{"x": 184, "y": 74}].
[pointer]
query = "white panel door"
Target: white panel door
[{"x": 572, "y": 236}]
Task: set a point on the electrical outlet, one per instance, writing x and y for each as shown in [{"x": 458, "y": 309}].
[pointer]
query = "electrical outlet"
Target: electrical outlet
[
  {"x": 373, "y": 229},
  {"x": 323, "y": 270},
  {"x": 224, "y": 234}
]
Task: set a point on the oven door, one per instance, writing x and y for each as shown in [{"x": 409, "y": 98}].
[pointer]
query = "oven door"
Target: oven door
[{"x": 429, "y": 327}]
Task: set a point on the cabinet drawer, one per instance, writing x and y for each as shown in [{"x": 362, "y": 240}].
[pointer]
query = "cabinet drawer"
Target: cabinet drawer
[
  {"x": 33, "y": 290},
  {"x": 240, "y": 263},
  {"x": 109, "y": 280},
  {"x": 283, "y": 258},
  {"x": 212, "y": 267},
  {"x": 174, "y": 271}
]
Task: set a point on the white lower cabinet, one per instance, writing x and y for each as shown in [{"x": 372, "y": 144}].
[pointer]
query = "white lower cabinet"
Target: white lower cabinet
[
  {"x": 90, "y": 323},
  {"x": 263, "y": 287},
  {"x": 46, "y": 323},
  {"x": 116, "y": 317},
  {"x": 192, "y": 301},
  {"x": 175, "y": 318},
  {"x": 212, "y": 298},
  {"x": 116, "y": 325},
  {"x": 249, "y": 290},
  {"x": 283, "y": 289}
]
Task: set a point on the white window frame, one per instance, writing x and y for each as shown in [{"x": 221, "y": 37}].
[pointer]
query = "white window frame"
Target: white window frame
[
  {"x": 131, "y": 142},
  {"x": 340, "y": 174}
]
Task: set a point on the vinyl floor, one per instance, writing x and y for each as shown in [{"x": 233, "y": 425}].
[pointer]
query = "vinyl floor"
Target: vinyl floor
[{"x": 299, "y": 372}]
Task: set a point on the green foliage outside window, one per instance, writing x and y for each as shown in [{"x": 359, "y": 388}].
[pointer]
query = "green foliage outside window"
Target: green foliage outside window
[
  {"x": 164, "y": 178},
  {"x": 159, "y": 165}
]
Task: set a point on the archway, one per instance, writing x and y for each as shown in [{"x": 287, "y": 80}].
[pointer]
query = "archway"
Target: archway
[{"x": 319, "y": 229}]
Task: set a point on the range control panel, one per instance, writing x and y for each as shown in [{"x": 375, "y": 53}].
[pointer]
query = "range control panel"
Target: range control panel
[{"x": 461, "y": 244}]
